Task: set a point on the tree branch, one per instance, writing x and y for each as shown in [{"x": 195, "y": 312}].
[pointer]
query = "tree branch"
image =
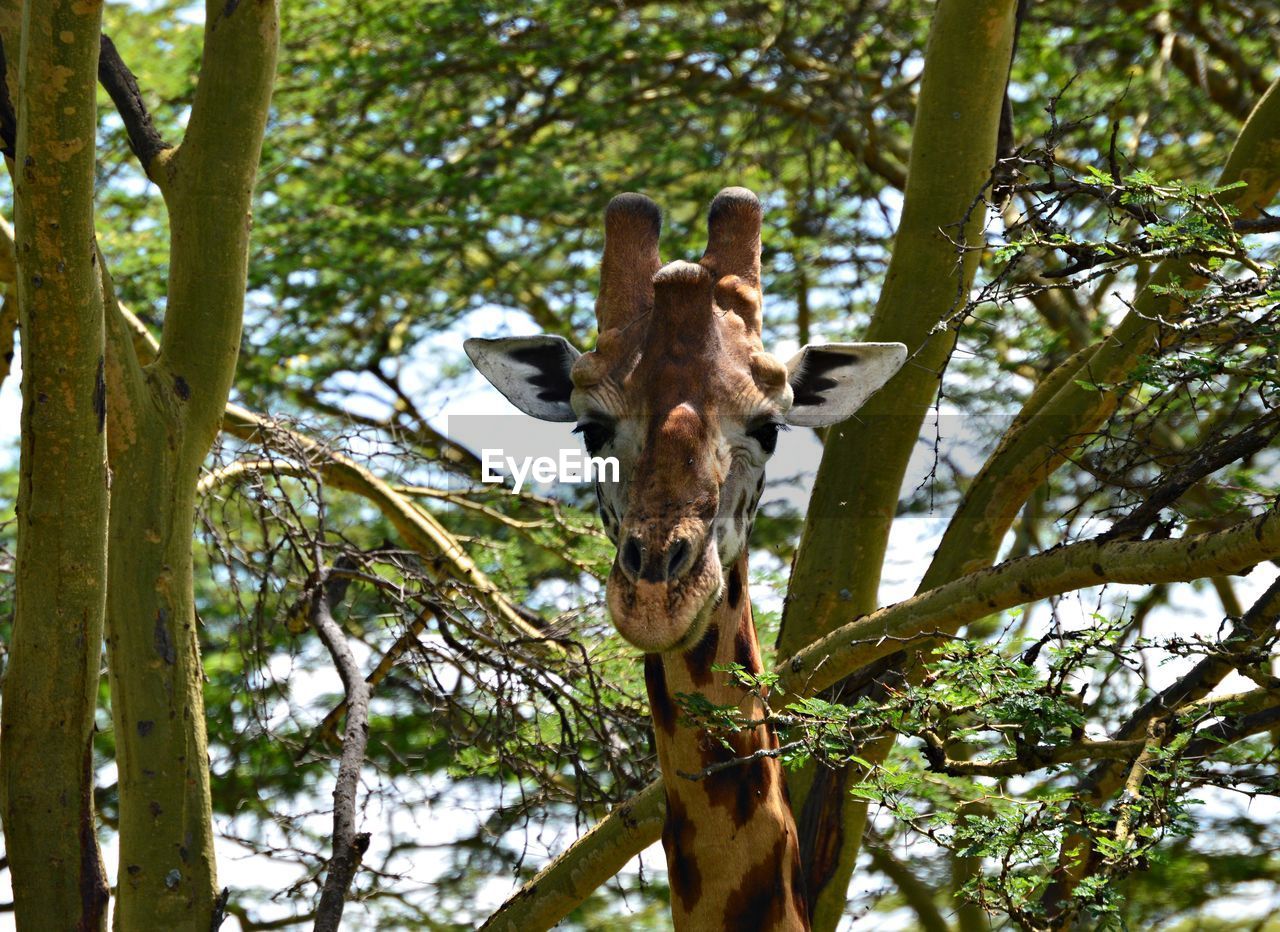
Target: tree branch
[
  {"x": 325, "y": 730},
  {"x": 434, "y": 444},
  {"x": 1075, "y": 854},
  {"x": 122, "y": 87},
  {"x": 208, "y": 183},
  {"x": 1255, "y": 629},
  {"x": 1050, "y": 428},
  {"x": 919, "y": 896},
  {"x": 590, "y": 861},
  {"x": 421, "y": 531},
  {"x": 419, "y": 528},
  {"x": 248, "y": 924},
  {"x": 348, "y": 846},
  {"x": 1210, "y": 457},
  {"x": 1257, "y": 711},
  {"x": 1028, "y": 579},
  {"x": 1237, "y": 727},
  {"x": 1028, "y": 760}
]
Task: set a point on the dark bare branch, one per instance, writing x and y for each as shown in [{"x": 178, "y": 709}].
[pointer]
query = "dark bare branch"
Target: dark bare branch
[
  {"x": 326, "y": 729},
  {"x": 348, "y": 845},
  {"x": 120, "y": 84},
  {"x": 219, "y": 910},
  {"x": 8, "y": 117}
]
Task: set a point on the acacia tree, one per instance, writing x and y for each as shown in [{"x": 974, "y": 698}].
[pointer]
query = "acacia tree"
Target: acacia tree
[
  {"x": 426, "y": 160},
  {"x": 85, "y": 393}
]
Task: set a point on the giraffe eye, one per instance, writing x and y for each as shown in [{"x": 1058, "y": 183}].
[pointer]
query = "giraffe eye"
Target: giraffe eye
[
  {"x": 595, "y": 436},
  {"x": 766, "y": 435}
]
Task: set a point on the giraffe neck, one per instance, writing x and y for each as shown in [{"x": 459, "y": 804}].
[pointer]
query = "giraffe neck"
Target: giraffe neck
[{"x": 730, "y": 838}]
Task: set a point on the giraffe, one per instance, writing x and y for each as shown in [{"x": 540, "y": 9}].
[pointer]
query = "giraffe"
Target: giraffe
[{"x": 680, "y": 390}]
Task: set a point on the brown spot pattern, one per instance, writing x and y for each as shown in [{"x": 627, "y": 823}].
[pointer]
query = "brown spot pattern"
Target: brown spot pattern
[
  {"x": 699, "y": 657},
  {"x": 735, "y": 586},
  {"x": 760, "y": 902},
  {"x": 660, "y": 703},
  {"x": 799, "y": 902},
  {"x": 683, "y": 873},
  {"x": 744, "y": 646},
  {"x": 738, "y": 789}
]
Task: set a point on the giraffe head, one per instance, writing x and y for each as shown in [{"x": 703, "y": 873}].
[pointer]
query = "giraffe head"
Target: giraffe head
[{"x": 681, "y": 391}]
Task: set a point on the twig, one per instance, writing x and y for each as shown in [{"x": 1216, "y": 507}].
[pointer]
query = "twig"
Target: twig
[
  {"x": 348, "y": 846},
  {"x": 1216, "y": 453},
  {"x": 1263, "y": 224},
  {"x": 1256, "y": 628},
  {"x": 219, "y": 910},
  {"x": 248, "y": 924},
  {"x": 1028, "y": 759},
  {"x": 1132, "y": 796},
  {"x": 738, "y": 761}
]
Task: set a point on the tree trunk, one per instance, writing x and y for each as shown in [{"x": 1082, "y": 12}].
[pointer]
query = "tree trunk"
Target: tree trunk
[
  {"x": 164, "y": 416},
  {"x": 837, "y": 571},
  {"x": 167, "y": 872},
  {"x": 51, "y": 684}
]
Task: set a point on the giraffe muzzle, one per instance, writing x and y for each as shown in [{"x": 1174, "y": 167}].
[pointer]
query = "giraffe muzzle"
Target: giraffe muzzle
[
  {"x": 656, "y": 565},
  {"x": 658, "y": 595}
]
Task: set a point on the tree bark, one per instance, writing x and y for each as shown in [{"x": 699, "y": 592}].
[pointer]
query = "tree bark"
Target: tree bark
[
  {"x": 164, "y": 418},
  {"x": 51, "y": 684},
  {"x": 348, "y": 845}
]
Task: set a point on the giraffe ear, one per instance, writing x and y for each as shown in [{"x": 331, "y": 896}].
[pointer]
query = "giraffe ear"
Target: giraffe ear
[
  {"x": 532, "y": 372},
  {"x": 830, "y": 382}
]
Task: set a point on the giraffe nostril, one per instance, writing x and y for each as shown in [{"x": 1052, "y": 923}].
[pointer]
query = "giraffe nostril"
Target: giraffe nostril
[
  {"x": 632, "y": 557},
  {"x": 677, "y": 557}
]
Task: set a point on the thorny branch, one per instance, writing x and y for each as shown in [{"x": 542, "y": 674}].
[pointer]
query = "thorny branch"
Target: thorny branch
[{"x": 1215, "y": 454}]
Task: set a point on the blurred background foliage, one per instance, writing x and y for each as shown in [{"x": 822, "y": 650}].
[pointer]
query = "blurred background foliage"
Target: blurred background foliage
[{"x": 431, "y": 164}]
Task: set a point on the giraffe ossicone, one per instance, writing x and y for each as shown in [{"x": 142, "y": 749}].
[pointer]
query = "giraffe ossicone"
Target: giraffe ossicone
[{"x": 681, "y": 391}]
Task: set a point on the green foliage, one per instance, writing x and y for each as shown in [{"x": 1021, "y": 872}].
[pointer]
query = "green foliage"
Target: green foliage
[{"x": 430, "y": 163}]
